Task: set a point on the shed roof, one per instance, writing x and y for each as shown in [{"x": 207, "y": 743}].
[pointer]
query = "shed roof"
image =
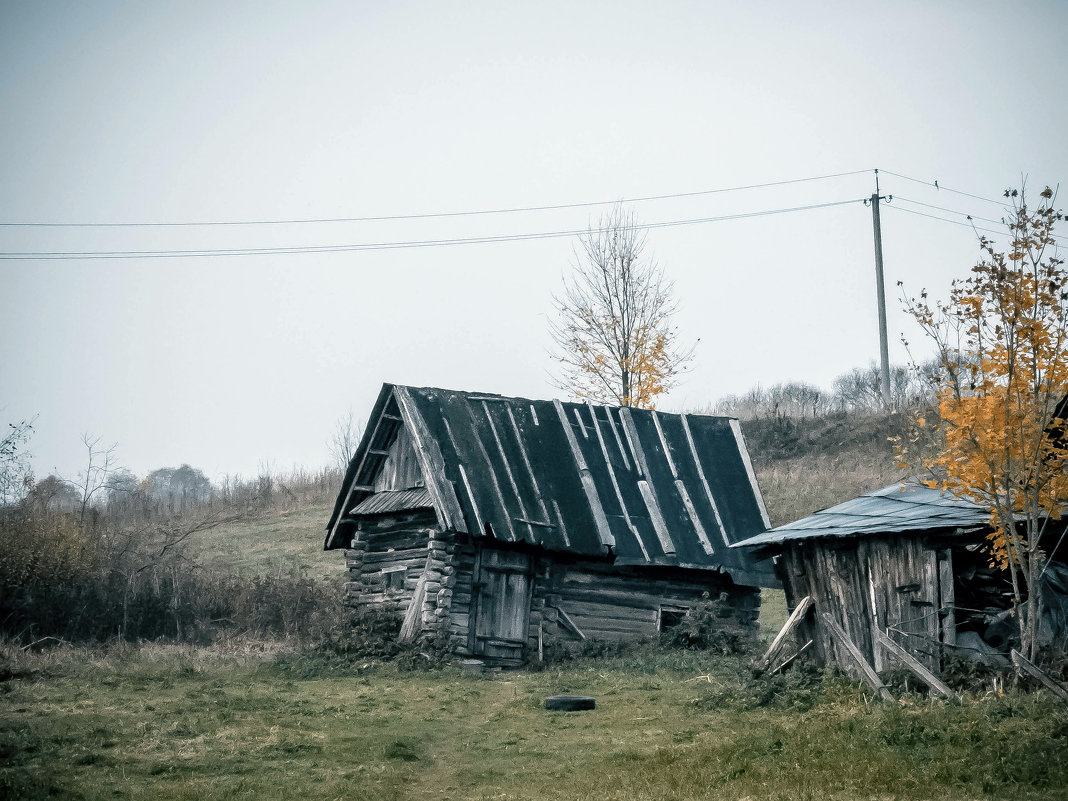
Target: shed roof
[
  {"x": 640, "y": 486},
  {"x": 894, "y": 509}
]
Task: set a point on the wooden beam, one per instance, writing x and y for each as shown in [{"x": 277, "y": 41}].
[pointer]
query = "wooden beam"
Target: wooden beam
[
  {"x": 432, "y": 463},
  {"x": 913, "y": 664},
  {"x": 569, "y": 624},
  {"x": 736, "y": 427},
  {"x": 867, "y": 671},
  {"x": 704, "y": 480},
  {"x": 1024, "y": 665},
  {"x": 615, "y": 483},
  {"x": 791, "y": 623}
]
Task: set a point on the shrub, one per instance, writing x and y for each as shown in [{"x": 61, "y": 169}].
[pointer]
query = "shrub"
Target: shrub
[{"x": 711, "y": 625}]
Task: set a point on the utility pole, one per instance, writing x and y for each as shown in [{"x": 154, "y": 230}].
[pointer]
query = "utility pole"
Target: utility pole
[{"x": 880, "y": 291}]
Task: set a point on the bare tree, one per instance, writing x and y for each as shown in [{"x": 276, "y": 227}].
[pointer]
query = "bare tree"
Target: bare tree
[
  {"x": 613, "y": 330},
  {"x": 345, "y": 438}
]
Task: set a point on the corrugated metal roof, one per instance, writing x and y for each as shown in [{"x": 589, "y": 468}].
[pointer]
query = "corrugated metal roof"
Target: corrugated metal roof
[
  {"x": 649, "y": 487},
  {"x": 393, "y": 501},
  {"x": 890, "y": 510}
]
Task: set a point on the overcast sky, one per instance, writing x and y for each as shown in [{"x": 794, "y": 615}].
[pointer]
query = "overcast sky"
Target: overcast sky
[{"x": 215, "y": 111}]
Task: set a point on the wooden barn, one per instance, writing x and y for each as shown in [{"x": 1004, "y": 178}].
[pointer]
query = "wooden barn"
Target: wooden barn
[
  {"x": 905, "y": 563},
  {"x": 513, "y": 523}
]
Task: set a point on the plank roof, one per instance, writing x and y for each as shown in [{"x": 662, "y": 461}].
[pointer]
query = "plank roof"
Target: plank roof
[
  {"x": 893, "y": 509},
  {"x": 638, "y": 486}
]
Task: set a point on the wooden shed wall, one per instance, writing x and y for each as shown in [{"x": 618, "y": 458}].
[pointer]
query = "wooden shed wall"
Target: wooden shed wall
[{"x": 889, "y": 582}]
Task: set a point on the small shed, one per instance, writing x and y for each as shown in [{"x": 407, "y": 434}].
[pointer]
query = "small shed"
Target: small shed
[
  {"x": 509, "y": 523},
  {"x": 906, "y": 562}
]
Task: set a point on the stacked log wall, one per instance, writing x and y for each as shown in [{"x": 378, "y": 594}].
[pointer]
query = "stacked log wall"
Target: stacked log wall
[
  {"x": 386, "y": 544},
  {"x": 614, "y": 605}
]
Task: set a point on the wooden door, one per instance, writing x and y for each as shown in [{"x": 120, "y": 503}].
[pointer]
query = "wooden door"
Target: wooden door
[{"x": 503, "y": 611}]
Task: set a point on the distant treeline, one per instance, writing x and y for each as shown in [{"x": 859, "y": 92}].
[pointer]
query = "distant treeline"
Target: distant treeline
[{"x": 858, "y": 391}]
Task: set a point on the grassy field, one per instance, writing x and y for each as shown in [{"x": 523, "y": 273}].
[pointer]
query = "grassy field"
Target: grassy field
[
  {"x": 174, "y": 722},
  {"x": 279, "y": 542}
]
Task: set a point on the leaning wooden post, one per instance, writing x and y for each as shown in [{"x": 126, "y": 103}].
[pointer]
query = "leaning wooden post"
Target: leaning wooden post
[
  {"x": 791, "y": 623},
  {"x": 866, "y": 670},
  {"x": 1024, "y": 665},
  {"x": 913, "y": 664}
]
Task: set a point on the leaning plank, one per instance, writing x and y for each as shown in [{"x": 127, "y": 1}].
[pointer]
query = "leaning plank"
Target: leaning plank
[
  {"x": 413, "y": 618},
  {"x": 1024, "y": 665},
  {"x": 909, "y": 661},
  {"x": 569, "y": 623},
  {"x": 791, "y": 623},
  {"x": 866, "y": 670}
]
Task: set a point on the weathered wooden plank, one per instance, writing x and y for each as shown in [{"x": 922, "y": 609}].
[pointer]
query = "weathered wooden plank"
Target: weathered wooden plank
[
  {"x": 615, "y": 434},
  {"x": 704, "y": 480},
  {"x": 523, "y": 515},
  {"x": 947, "y": 598},
  {"x": 702, "y": 535},
  {"x": 615, "y": 484},
  {"x": 605, "y": 612},
  {"x": 791, "y": 623},
  {"x": 736, "y": 427},
  {"x": 441, "y": 491},
  {"x": 866, "y": 670},
  {"x": 909, "y": 661},
  {"x": 1024, "y": 665},
  {"x": 599, "y": 518},
  {"x": 526, "y": 462},
  {"x": 413, "y": 618},
  {"x": 569, "y": 624},
  {"x": 655, "y": 515}
]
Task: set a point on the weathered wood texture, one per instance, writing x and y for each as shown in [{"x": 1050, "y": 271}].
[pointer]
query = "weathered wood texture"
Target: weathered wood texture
[
  {"x": 400, "y": 469},
  {"x": 851, "y": 659},
  {"x": 791, "y": 623},
  {"x": 613, "y": 605},
  {"x": 887, "y": 582},
  {"x": 909, "y": 661}
]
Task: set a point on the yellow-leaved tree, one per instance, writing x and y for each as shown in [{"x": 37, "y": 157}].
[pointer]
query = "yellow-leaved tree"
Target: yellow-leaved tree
[
  {"x": 1000, "y": 394},
  {"x": 614, "y": 336}
]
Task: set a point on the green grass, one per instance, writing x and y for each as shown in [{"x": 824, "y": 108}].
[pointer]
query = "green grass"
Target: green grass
[
  {"x": 279, "y": 542},
  {"x": 169, "y": 722}
]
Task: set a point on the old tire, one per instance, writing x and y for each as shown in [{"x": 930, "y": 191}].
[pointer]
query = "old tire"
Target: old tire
[{"x": 569, "y": 703}]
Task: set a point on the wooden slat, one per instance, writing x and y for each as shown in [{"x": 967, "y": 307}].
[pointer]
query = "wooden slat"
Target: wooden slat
[
  {"x": 704, "y": 480},
  {"x": 505, "y": 514},
  {"x": 615, "y": 483},
  {"x": 569, "y": 623},
  {"x": 866, "y": 670},
  {"x": 909, "y": 661},
  {"x": 656, "y": 516},
  {"x": 615, "y": 434},
  {"x": 744, "y": 453},
  {"x": 947, "y": 597},
  {"x": 508, "y": 471},
  {"x": 441, "y": 490},
  {"x": 599, "y": 518},
  {"x": 413, "y": 618},
  {"x": 1024, "y": 665},
  {"x": 527, "y": 464},
  {"x": 791, "y": 623}
]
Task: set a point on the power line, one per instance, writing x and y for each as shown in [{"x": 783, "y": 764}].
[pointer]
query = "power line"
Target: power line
[
  {"x": 949, "y": 211},
  {"x": 384, "y": 218},
  {"x": 155, "y": 254},
  {"x": 965, "y": 224},
  {"x": 941, "y": 188}
]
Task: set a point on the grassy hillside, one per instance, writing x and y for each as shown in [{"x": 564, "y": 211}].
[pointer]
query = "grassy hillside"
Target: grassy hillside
[
  {"x": 809, "y": 464},
  {"x": 174, "y": 722},
  {"x": 272, "y": 542}
]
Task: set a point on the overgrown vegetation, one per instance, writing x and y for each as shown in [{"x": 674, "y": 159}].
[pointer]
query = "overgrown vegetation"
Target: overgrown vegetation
[{"x": 179, "y": 722}]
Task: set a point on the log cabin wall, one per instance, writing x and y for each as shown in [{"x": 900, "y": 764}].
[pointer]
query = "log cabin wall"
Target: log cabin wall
[
  {"x": 387, "y": 558},
  {"x": 615, "y": 604},
  {"x": 865, "y": 584}
]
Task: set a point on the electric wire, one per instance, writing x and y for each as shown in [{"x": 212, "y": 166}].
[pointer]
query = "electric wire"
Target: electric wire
[
  {"x": 255, "y": 251},
  {"x": 1059, "y": 241},
  {"x": 431, "y": 215},
  {"x": 949, "y": 211},
  {"x": 940, "y": 188}
]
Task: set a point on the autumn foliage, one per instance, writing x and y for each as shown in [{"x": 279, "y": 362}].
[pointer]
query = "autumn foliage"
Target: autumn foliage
[{"x": 1000, "y": 396}]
